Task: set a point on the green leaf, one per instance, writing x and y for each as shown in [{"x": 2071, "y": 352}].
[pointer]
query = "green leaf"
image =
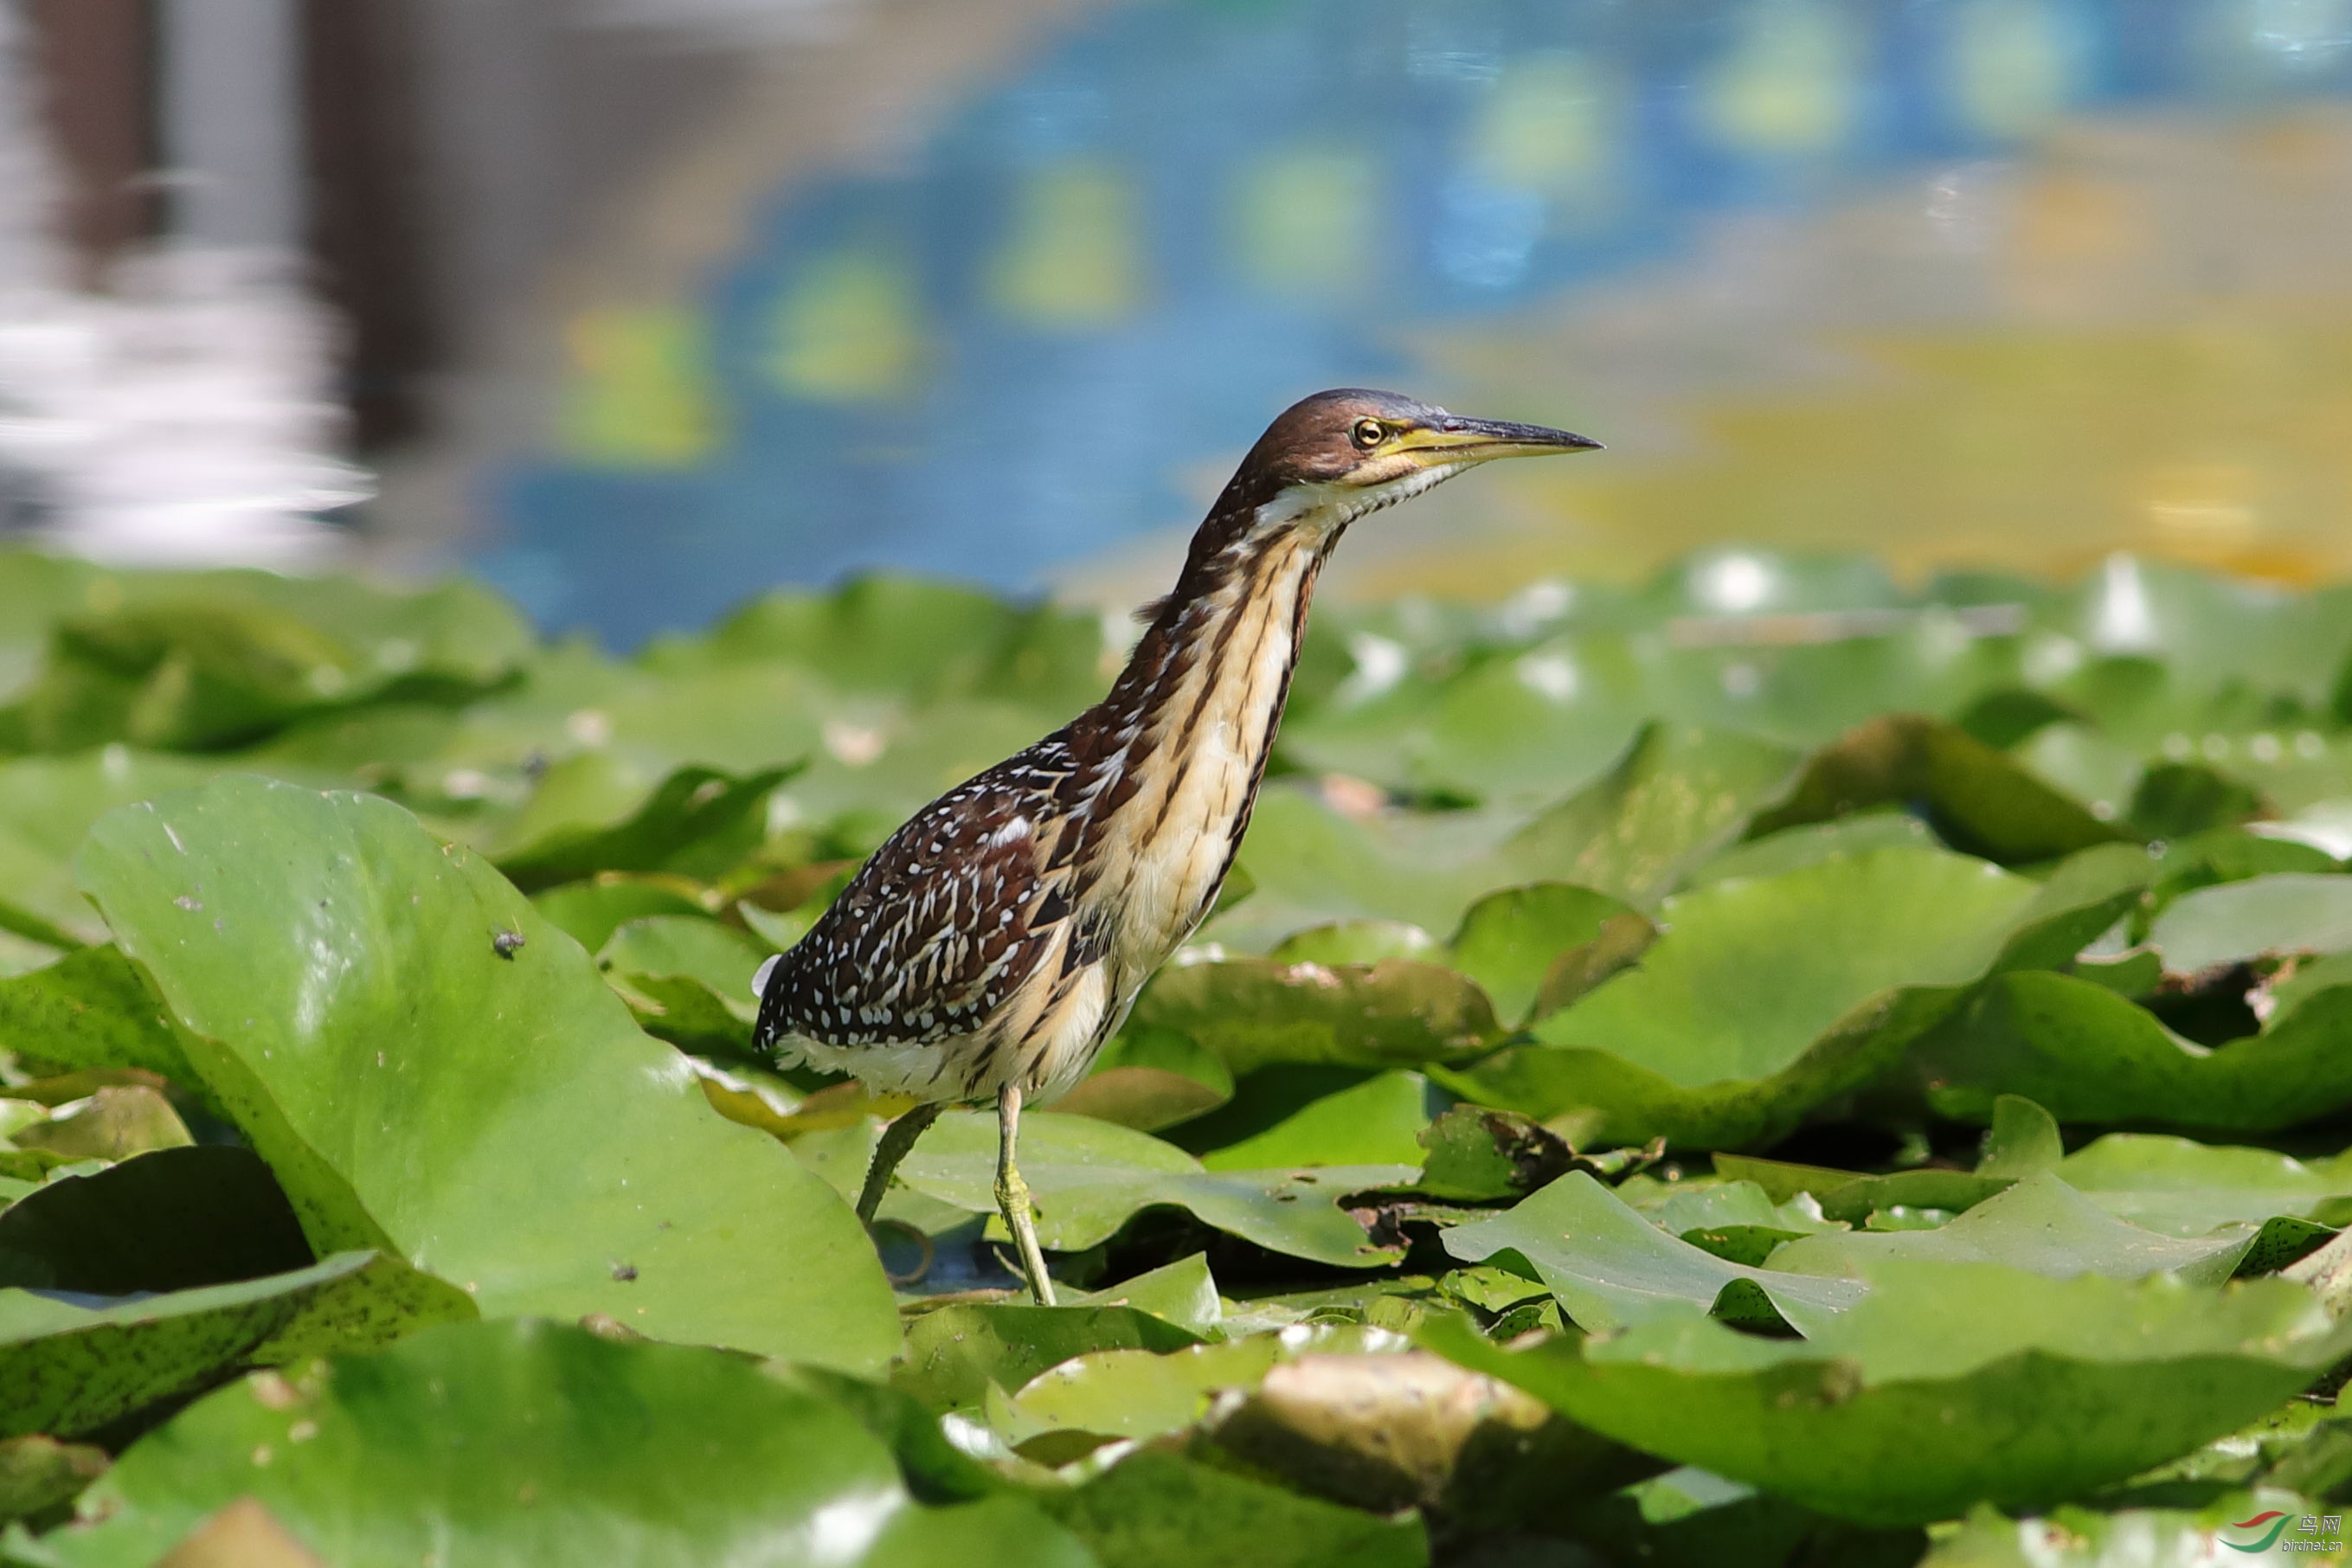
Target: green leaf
[
  {"x": 2292, "y": 912},
  {"x": 697, "y": 971},
  {"x": 90, "y": 1009},
  {"x": 1255, "y": 1012},
  {"x": 47, "y": 807},
  {"x": 1675, "y": 798},
  {"x": 1764, "y": 998},
  {"x": 1183, "y": 1293},
  {"x": 2041, "y": 1225},
  {"x": 1376, "y": 1123},
  {"x": 1356, "y": 942},
  {"x": 1508, "y": 941},
  {"x": 2087, "y": 1055},
  {"x": 1148, "y": 1078},
  {"x": 1611, "y": 1268},
  {"x": 1087, "y": 1178},
  {"x": 1793, "y": 848},
  {"x": 589, "y": 912},
  {"x": 2023, "y": 1140},
  {"x": 171, "y": 1220},
  {"x": 1851, "y": 1199},
  {"x": 66, "y": 1369},
  {"x": 1981, "y": 799},
  {"x": 2181, "y": 1188},
  {"x": 590, "y": 815},
  {"x": 956, "y": 1353},
  {"x": 1145, "y": 1393},
  {"x": 413, "y": 1082},
  {"x": 1479, "y": 1153},
  {"x": 1161, "y": 1510},
  {"x": 1945, "y": 1385},
  {"x": 528, "y": 1442}
]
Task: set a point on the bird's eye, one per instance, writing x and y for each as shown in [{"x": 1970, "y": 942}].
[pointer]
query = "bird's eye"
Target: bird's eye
[{"x": 1368, "y": 433}]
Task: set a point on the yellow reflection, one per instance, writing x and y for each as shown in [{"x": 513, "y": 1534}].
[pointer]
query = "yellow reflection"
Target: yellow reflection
[
  {"x": 639, "y": 394},
  {"x": 1304, "y": 217},
  {"x": 848, "y": 329},
  {"x": 2227, "y": 443},
  {"x": 2012, "y": 72},
  {"x": 1788, "y": 87},
  {"x": 1547, "y": 127},
  {"x": 1073, "y": 258}
]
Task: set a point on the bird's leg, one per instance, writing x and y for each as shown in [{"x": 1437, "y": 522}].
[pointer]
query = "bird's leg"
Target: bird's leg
[
  {"x": 896, "y": 1139},
  {"x": 1012, "y": 1196}
]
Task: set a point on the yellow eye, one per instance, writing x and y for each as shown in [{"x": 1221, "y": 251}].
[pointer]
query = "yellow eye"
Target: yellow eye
[{"x": 1368, "y": 434}]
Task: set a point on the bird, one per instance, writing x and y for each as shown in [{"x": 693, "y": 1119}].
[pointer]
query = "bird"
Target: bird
[{"x": 995, "y": 941}]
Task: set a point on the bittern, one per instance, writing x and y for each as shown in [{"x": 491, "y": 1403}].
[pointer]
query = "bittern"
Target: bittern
[{"x": 992, "y": 944}]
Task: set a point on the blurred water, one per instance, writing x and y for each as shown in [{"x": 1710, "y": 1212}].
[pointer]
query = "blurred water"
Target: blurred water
[{"x": 1733, "y": 240}]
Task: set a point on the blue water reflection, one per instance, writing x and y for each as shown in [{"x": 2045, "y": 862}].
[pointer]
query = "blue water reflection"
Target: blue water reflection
[{"x": 1099, "y": 277}]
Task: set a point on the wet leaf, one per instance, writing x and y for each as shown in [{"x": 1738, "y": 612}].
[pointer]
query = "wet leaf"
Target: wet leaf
[
  {"x": 2291, "y": 912},
  {"x": 956, "y": 1353},
  {"x": 68, "y": 1369},
  {"x": 497, "y": 1442},
  {"x": 1980, "y": 799},
  {"x": 1611, "y": 1268},
  {"x": 413, "y": 1084},
  {"x": 1766, "y": 997},
  {"x": 1945, "y": 1385},
  {"x": 1161, "y": 1510},
  {"x": 1255, "y": 1012},
  {"x": 1087, "y": 1178}
]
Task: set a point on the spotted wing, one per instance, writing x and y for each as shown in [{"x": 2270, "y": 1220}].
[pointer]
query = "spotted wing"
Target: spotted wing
[{"x": 937, "y": 929}]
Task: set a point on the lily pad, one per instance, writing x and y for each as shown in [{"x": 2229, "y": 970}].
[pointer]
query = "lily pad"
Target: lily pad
[
  {"x": 2089, "y": 1056},
  {"x": 1676, "y": 797},
  {"x": 1766, "y": 997},
  {"x": 90, "y": 1009},
  {"x": 589, "y": 814},
  {"x": 1087, "y": 1178},
  {"x": 1611, "y": 1268},
  {"x": 173, "y": 1220},
  {"x": 2178, "y": 1187},
  {"x": 955, "y": 1353},
  {"x": 1256, "y": 1012},
  {"x": 1162, "y": 1511},
  {"x": 505, "y": 1442},
  {"x": 2290, "y": 912},
  {"x": 68, "y": 1369},
  {"x": 336, "y": 978},
  {"x": 2043, "y": 1225},
  {"x": 1945, "y": 1385},
  {"x": 1508, "y": 941},
  {"x": 1980, "y": 800}
]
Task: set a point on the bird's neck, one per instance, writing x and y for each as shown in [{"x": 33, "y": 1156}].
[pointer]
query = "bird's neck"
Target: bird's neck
[{"x": 1184, "y": 735}]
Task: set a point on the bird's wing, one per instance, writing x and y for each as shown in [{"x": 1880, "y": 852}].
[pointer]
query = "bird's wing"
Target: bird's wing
[{"x": 936, "y": 929}]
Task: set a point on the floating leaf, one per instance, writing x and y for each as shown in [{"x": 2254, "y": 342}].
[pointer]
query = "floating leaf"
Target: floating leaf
[
  {"x": 1612, "y": 1267},
  {"x": 530, "y": 1442},
  {"x": 173, "y": 1220},
  {"x": 413, "y": 1080},
  {"x": 2292, "y": 912},
  {"x": 589, "y": 816},
  {"x": 2043, "y": 1225},
  {"x": 1161, "y": 1510},
  {"x": 68, "y": 1369},
  {"x": 1766, "y": 997},
  {"x": 1087, "y": 1178},
  {"x": 956, "y": 1353},
  {"x": 1255, "y": 1012},
  {"x": 1980, "y": 800},
  {"x": 2088, "y": 1056},
  {"x": 1508, "y": 941},
  {"x": 1945, "y": 1385}
]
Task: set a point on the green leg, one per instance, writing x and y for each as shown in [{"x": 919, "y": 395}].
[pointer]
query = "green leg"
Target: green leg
[
  {"x": 896, "y": 1139},
  {"x": 1013, "y": 1197}
]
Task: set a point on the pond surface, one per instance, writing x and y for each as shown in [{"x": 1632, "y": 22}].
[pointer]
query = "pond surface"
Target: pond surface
[{"x": 2009, "y": 282}]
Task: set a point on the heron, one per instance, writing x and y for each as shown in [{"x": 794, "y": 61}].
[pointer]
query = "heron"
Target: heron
[{"x": 993, "y": 943}]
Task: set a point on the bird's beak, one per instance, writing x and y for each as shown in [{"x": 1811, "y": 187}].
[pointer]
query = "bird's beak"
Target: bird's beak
[{"x": 1454, "y": 441}]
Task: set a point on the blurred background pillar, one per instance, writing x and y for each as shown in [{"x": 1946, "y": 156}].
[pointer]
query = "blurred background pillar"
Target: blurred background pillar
[{"x": 231, "y": 122}]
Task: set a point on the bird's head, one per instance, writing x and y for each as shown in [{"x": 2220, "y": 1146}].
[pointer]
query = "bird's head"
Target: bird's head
[{"x": 1332, "y": 457}]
